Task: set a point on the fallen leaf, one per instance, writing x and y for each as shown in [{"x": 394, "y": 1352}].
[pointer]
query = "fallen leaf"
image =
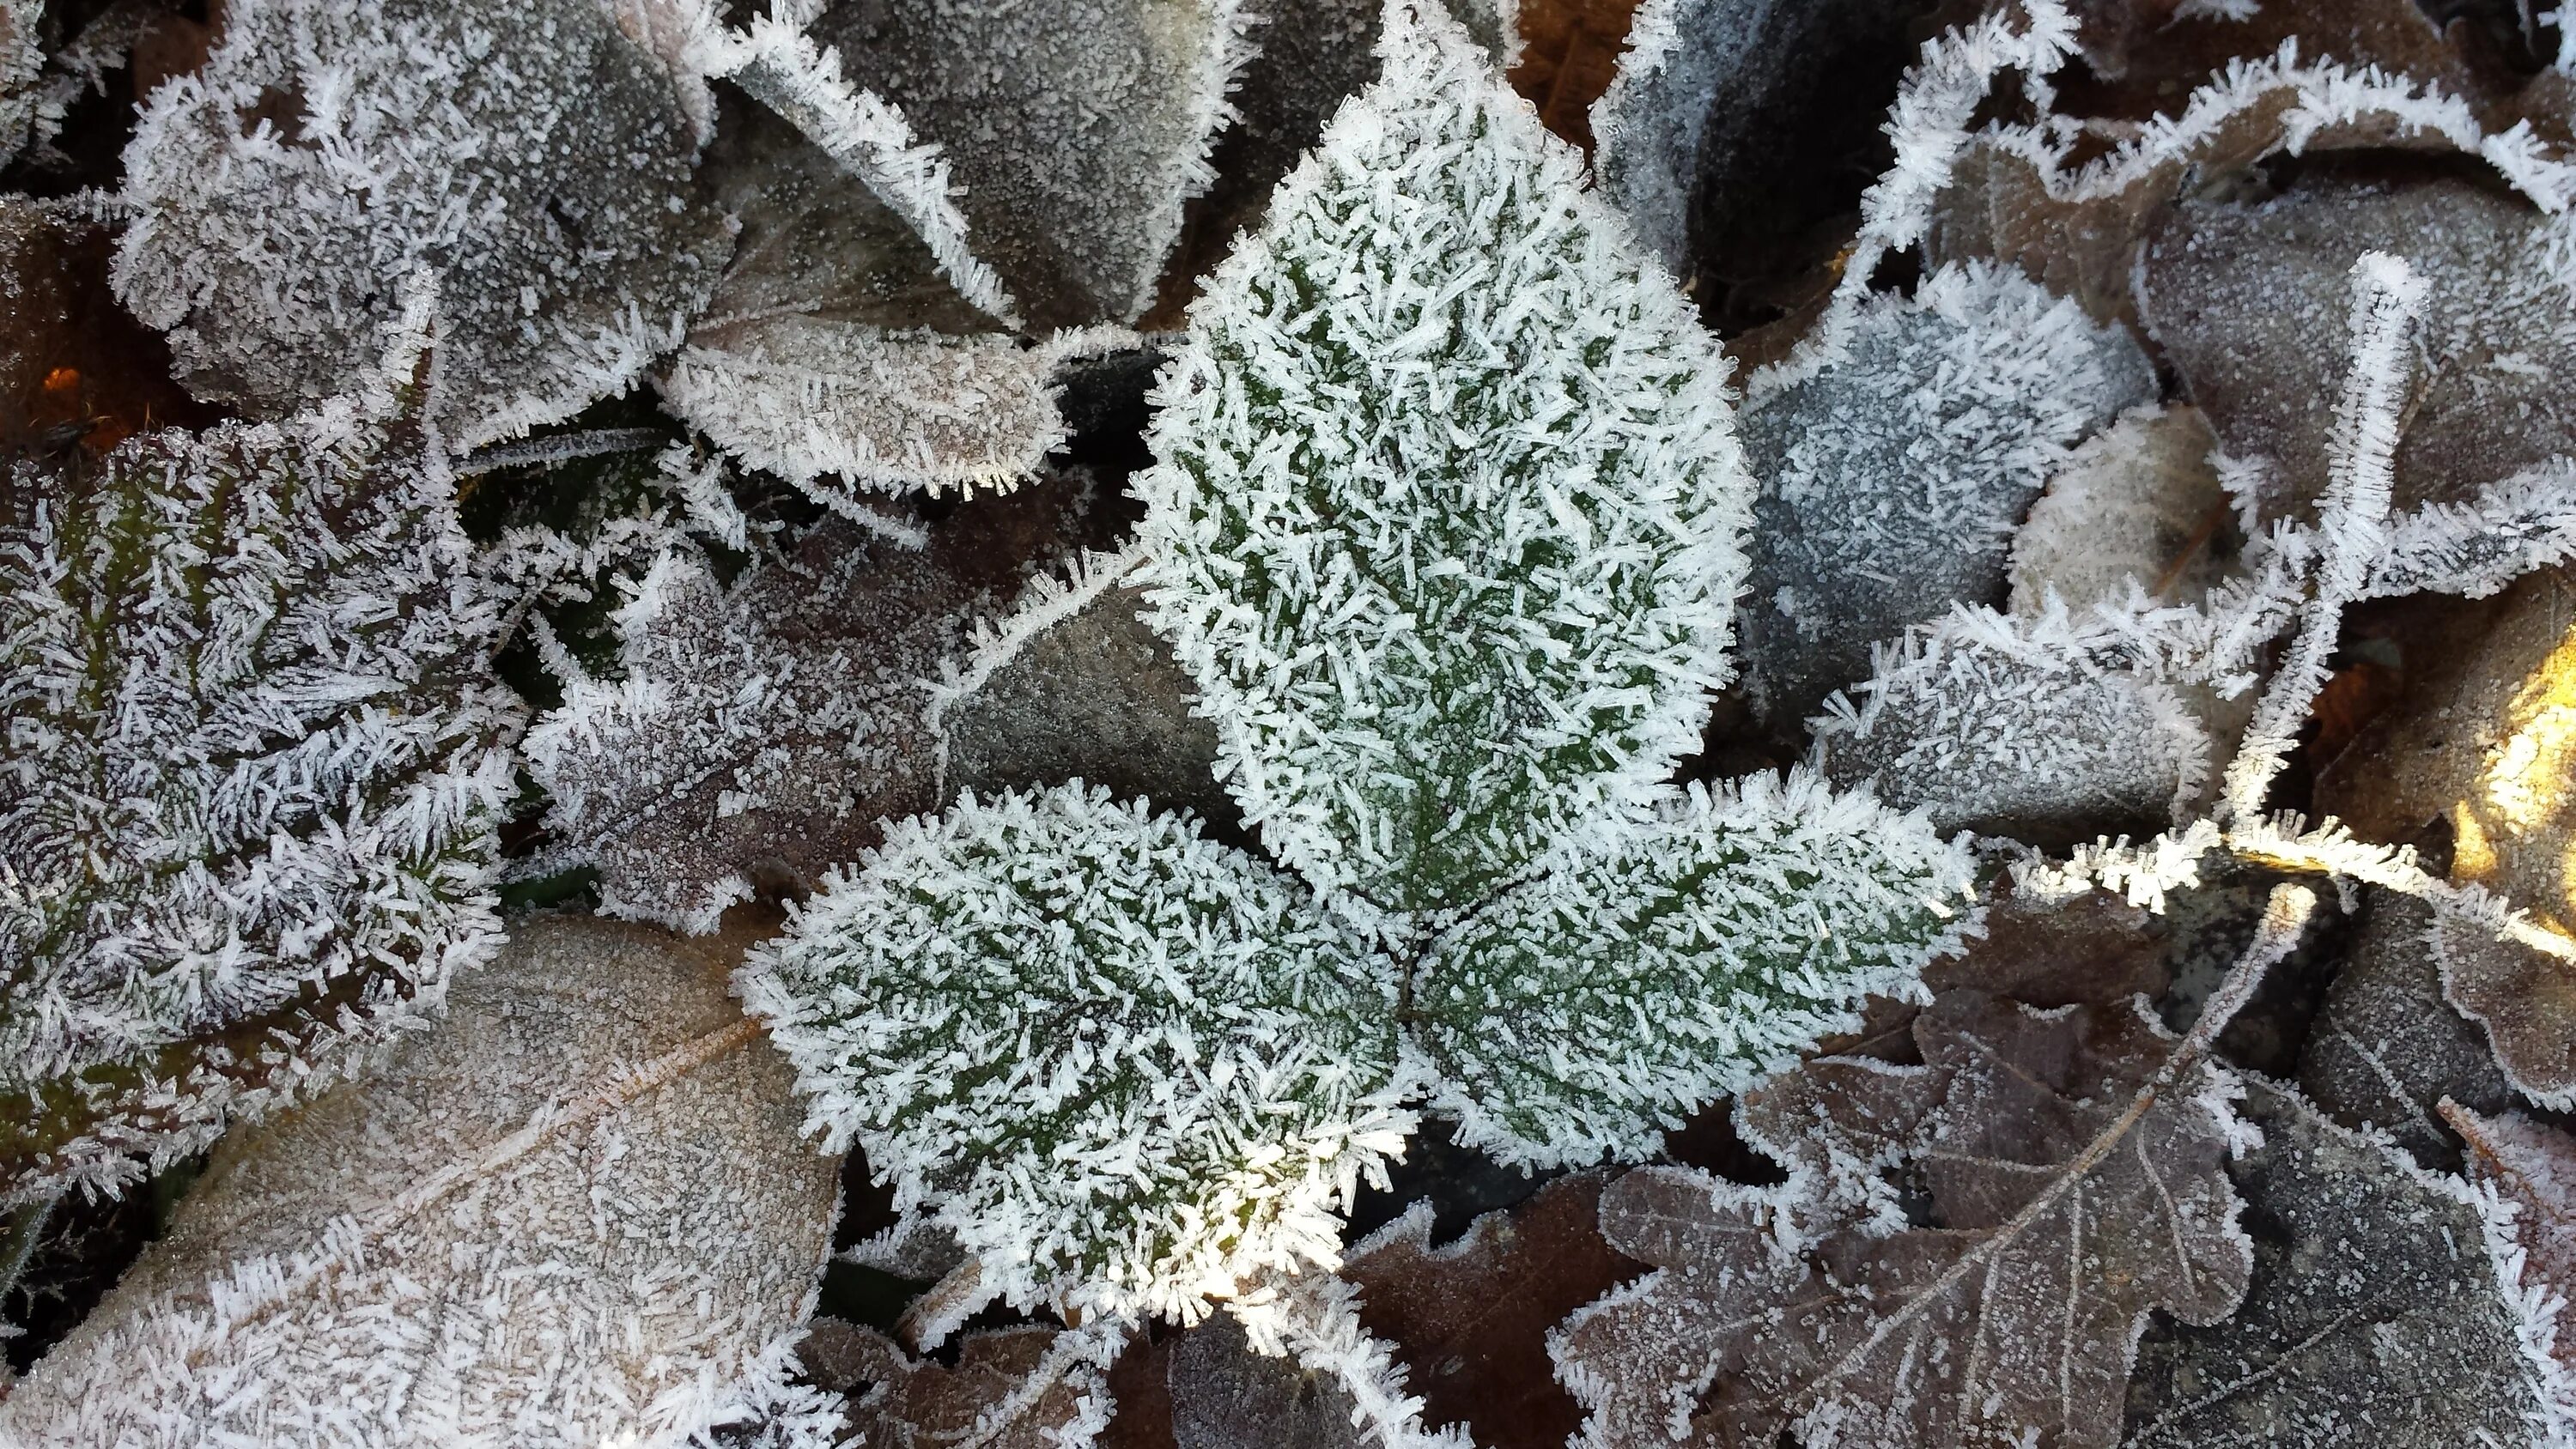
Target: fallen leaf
[
  {"x": 277, "y": 219},
  {"x": 1014, "y": 1388},
  {"x": 2067, "y": 1192},
  {"x": 577, "y": 1207},
  {"x": 1892, "y": 480},
  {"x": 2387, "y": 1047},
  {"x": 765, "y": 731},
  {"x": 1077, "y": 130},
  {"x": 1569, "y": 54},
  {"x": 2531, "y": 1167},
  {"x": 1226, "y": 1396},
  {"x": 21, "y": 61},
  {"x": 2371, "y": 1316},
  {"x": 2137, "y": 503},
  {"x": 1094, "y": 695},
  {"x": 2485, "y": 742},
  {"x": 2238, "y": 292},
  {"x": 1469, "y": 1319},
  {"x": 833, "y": 352}
]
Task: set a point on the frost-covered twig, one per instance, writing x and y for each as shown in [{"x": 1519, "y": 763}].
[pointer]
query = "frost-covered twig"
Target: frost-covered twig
[{"x": 2386, "y": 297}]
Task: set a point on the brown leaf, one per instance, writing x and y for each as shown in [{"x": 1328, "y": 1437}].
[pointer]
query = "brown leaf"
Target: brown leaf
[
  {"x": 2372, "y": 1315},
  {"x": 2065, "y": 1198},
  {"x": 2533, "y": 1167},
  {"x": 75, "y": 369},
  {"x": 1569, "y": 51},
  {"x": 1226, "y": 1396},
  {"x": 1469, "y": 1319},
  {"x": 2144, "y": 56},
  {"x": 785, "y": 718},
  {"x": 2486, "y": 744},
  {"x": 2239, "y": 293},
  {"x": 2386, "y": 1046},
  {"x": 1017, "y": 1388},
  {"x": 1140, "y": 1385}
]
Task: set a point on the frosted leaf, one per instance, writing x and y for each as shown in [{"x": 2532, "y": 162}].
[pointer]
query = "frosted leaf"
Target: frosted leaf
[
  {"x": 1082, "y": 692},
  {"x": 2237, "y": 294},
  {"x": 761, "y": 732},
  {"x": 2018, "y": 193},
  {"x": 528, "y": 152},
  {"x": 1442, "y": 523},
  {"x": 1227, "y": 1396},
  {"x": 2371, "y": 1310},
  {"x": 1694, "y": 110},
  {"x": 1308, "y": 56},
  {"x": 2138, "y": 501},
  {"x": 574, "y": 1210},
  {"x": 833, "y": 352},
  {"x": 2386, "y": 1046},
  {"x": 1018, "y": 1388},
  {"x": 2529, "y": 1168},
  {"x": 1469, "y": 1319},
  {"x": 1585, "y": 1013},
  {"x": 2005, "y": 726},
  {"x": 254, "y": 766},
  {"x": 2065, "y": 1198},
  {"x": 21, "y": 63},
  {"x": 1892, "y": 478},
  {"x": 1126, "y": 1066},
  {"x": 1077, "y": 130}
]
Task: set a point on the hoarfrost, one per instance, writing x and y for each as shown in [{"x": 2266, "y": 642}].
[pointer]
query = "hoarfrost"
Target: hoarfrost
[{"x": 529, "y": 154}]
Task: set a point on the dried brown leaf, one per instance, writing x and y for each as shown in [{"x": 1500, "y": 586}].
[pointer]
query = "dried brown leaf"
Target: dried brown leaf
[
  {"x": 2386, "y": 1046},
  {"x": 2068, "y": 1194},
  {"x": 2531, "y": 1166},
  {"x": 766, "y": 730},
  {"x": 576, "y": 1209},
  {"x": 2238, "y": 292},
  {"x": 1469, "y": 1319},
  {"x": 1016, "y": 1388},
  {"x": 2372, "y": 1316}
]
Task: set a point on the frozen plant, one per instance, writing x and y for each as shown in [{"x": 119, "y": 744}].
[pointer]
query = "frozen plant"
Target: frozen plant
[
  {"x": 1444, "y": 526},
  {"x": 256, "y": 759}
]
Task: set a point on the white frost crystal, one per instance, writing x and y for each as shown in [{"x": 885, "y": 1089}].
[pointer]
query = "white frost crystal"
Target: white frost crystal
[
  {"x": 1443, "y": 523},
  {"x": 1111, "y": 1051},
  {"x": 254, "y": 763},
  {"x": 526, "y": 151},
  {"x": 573, "y": 1212}
]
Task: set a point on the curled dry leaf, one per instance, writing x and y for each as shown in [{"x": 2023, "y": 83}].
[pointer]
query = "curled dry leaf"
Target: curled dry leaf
[
  {"x": 1018, "y": 1388},
  {"x": 1469, "y": 1319},
  {"x": 2372, "y": 1315},
  {"x": 283, "y": 194},
  {"x": 2485, "y": 742},
  {"x": 1077, "y": 130},
  {"x": 833, "y": 352},
  {"x": 2386, "y": 1047},
  {"x": 764, "y": 731},
  {"x": 576, "y": 1209},
  {"x": 2069, "y": 1190},
  {"x": 2237, "y": 292}
]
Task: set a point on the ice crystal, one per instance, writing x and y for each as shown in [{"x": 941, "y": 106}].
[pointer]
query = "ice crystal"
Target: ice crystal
[
  {"x": 533, "y": 156},
  {"x": 254, "y": 768},
  {"x": 1445, "y": 511},
  {"x": 1443, "y": 527},
  {"x": 20, "y": 64},
  {"x": 573, "y": 1211},
  {"x": 1893, "y": 477},
  {"x": 1111, "y": 1051}
]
